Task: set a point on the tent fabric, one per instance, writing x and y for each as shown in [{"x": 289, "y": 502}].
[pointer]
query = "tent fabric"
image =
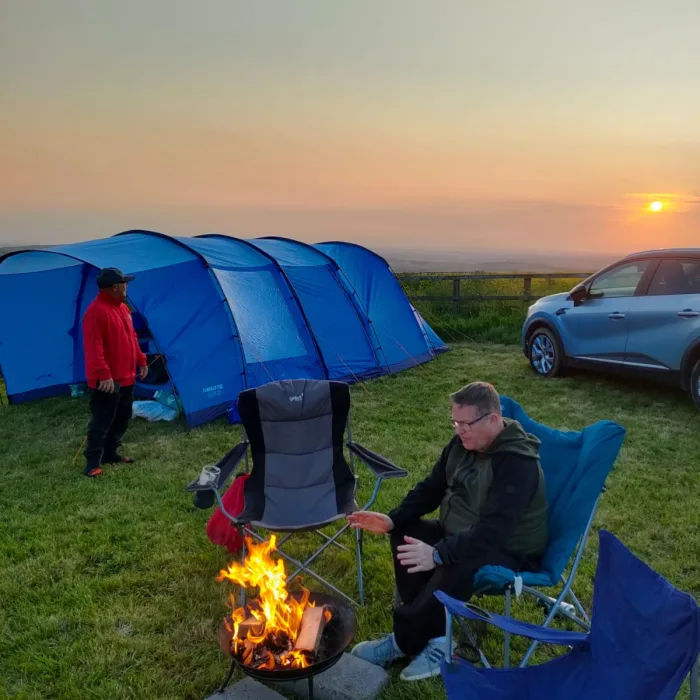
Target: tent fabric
[
  {"x": 342, "y": 331},
  {"x": 225, "y": 314},
  {"x": 644, "y": 640},
  {"x": 382, "y": 299},
  {"x": 575, "y": 465}
]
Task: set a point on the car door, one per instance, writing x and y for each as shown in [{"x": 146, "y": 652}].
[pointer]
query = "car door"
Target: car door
[
  {"x": 666, "y": 319},
  {"x": 596, "y": 330}
]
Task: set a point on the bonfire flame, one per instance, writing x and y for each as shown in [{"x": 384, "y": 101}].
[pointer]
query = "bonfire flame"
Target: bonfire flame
[{"x": 267, "y": 641}]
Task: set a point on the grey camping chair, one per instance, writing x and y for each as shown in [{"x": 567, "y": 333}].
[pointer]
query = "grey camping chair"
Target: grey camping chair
[{"x": 300, "y": 480}]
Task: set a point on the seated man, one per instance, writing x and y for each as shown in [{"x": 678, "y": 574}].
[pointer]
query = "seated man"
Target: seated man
[{"x": 490, "y": 489}]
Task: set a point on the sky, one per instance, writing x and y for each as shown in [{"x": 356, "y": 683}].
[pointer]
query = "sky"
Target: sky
[{"x": 543, "y": 125}]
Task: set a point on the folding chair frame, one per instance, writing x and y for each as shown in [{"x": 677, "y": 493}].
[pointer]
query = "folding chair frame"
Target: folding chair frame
[
  {"x": 381, "y": 467},
  {"x": 532, "y": 633},
  {"x": 556, "y": 606},
  {"x": 543, "y": 633}
]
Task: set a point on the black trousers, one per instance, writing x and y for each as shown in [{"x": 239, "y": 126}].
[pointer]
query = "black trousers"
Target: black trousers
[
  {"x": 110, "y": 415},
  {"x": 421, "y": 616}
]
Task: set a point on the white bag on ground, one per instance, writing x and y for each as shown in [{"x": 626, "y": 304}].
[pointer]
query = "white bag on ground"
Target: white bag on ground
[{"x": 153, "y": 411}]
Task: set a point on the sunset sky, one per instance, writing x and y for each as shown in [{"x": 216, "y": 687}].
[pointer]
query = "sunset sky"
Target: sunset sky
[{"x": 514, "y": 124}]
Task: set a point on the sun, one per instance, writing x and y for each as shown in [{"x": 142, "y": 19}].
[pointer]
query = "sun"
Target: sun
[{"x": 656, "y": 206}]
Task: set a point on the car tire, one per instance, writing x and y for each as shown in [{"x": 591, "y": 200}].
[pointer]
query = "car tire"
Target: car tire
[
  {"x": 695, "y": 385},
  {"x": 545, "y": 353}
]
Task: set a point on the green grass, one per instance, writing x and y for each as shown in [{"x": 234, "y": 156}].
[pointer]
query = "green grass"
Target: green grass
[
  {"x": 108, "y": 586},
  {"x": 491, "y": 321}
]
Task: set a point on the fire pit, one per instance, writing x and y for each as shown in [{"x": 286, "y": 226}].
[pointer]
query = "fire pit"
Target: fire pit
[{"x": 281, "y": 636}]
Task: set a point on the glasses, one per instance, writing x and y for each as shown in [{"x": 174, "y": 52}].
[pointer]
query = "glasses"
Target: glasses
[{"x": 463, "y": 424}]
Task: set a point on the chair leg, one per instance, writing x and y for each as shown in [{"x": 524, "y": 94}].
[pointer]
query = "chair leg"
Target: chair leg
[
  {"x": 506, "y": 640},
  {"x": 243, "y": 556},
  {"x": 576, "y": 602},
  {"x": 337, "y": 544},
  {"x": 328, "y": 542},
  {"x": 304, "y": 566},
  {"x": 360, "y": 582}
]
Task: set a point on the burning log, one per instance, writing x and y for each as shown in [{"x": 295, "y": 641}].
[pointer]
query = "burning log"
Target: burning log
[
  {"x": 312, "y": 623},
  {"x": 251, "y": 625}
]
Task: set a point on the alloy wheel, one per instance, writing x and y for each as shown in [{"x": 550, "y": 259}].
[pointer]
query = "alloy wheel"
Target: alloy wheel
[{"x": 542, "y": 354}]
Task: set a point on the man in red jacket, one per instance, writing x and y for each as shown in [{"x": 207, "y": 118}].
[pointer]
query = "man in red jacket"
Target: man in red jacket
[{"x": 112, "y": 357}]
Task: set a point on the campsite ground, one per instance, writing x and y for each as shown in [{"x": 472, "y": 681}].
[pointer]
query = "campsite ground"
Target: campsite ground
[{"x": 108, "y": 585}]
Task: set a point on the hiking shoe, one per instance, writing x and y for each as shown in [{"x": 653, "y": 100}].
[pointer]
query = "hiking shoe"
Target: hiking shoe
[
  {"x": 427, "y": 663},
  {"x": 380, "y": 652}
]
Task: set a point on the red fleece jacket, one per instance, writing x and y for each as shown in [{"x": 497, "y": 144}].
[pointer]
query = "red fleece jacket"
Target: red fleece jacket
[{"x": 109, "y": 342}]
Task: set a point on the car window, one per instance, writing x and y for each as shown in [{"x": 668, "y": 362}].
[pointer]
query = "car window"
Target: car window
[
  {"x": 676, "y": 277},
  {"x": 620, "y": 281}
]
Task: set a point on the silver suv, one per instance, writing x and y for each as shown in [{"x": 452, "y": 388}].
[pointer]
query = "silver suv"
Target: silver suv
[{"x": 639, "y": 316}]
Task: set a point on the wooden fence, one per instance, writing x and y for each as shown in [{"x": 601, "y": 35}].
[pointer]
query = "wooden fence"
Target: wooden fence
[{"x": 457, "y": 297}]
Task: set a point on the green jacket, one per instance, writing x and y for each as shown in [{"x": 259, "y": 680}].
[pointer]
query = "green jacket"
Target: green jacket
[{"x": 495, "y": 500}]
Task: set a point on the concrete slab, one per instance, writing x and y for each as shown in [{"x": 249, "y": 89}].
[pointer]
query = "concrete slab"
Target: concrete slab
[
  {"x": 247, "y": 689},
  {"x": 350, "y": 679}
]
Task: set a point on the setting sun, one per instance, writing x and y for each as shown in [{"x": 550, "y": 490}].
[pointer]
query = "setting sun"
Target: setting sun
[{"x": 656, "y": 206}]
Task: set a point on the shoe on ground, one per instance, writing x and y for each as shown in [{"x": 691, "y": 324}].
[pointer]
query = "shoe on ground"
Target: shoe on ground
[
  {"x": 95, "y": 471},
  {"x": 380, "y": 652},
  {"x": 427, "y": 663}
]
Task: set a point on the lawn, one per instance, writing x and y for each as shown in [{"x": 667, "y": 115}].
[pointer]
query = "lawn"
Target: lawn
[{"x": 108, "y": 586}]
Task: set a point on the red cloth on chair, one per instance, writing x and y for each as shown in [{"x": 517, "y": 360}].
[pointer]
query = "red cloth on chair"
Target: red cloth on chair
[{"x": 220, "y": 530}]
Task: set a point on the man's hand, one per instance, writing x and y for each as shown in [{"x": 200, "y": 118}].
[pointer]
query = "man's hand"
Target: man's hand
[
  {"x": 107, "y": 386},
  {"x": 416, "y": 554},
  {"x": 370, "y": 521},
  {"x": 143, "y": 371}
]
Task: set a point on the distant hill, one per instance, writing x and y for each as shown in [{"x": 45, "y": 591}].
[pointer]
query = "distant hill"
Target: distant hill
[{"x": 487, "y": 261}]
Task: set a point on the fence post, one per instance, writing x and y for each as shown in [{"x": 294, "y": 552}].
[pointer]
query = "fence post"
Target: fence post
[
  {"x": 527, "y": 288},
  {"x": 455, "y": 295}
]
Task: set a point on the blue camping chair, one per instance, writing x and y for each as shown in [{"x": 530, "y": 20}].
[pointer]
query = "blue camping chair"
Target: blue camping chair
[
  {"x": 575, "y": 465},
  {"x": 643, "y": 642}
]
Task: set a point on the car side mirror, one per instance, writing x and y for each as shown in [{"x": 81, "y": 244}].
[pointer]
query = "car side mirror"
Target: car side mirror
[{"x": 578, "y": 294}]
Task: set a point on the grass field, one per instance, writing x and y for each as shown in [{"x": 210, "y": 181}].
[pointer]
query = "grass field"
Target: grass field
[
  {"x": 108, "y": 586},
  {"x": 490, "y": 321}
]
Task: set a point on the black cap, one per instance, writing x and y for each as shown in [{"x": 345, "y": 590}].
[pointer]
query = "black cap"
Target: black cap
[{"x": 111, "y": 275}]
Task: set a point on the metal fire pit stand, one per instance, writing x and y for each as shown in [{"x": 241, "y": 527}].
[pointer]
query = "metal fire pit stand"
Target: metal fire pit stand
[{"x": 232, "y": 669}]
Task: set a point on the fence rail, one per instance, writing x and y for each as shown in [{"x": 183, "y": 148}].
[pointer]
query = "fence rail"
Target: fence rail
[{"x": 458, "y": 298}]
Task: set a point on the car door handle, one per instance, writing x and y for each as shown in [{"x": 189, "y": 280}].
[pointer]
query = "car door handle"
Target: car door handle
[
  {"x": 616, "y": 316},
  {"x": 688, "y": 313}
]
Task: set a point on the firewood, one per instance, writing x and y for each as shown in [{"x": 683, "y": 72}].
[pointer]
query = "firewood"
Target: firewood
[
  {"x": 250, "y": 624},
  {"x": 312, "y": 623}
]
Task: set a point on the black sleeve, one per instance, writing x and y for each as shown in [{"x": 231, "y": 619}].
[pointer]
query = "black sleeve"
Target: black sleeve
[
  {"x": 425, "y": 496},
  {"x": 515, "y": 481}
]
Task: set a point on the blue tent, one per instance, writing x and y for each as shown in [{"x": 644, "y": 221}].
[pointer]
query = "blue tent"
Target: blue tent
[{"x": 224, "y": 314}]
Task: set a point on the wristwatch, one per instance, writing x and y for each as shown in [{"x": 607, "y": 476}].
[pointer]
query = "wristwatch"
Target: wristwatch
[{"x": 436, "y": 557}]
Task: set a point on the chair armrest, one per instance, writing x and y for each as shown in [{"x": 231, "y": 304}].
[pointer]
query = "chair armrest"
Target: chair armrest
[
  {"x": 547, "y": 635},
  {"x": 226, "y": 464},
  {"x": 378, "y": 464}
]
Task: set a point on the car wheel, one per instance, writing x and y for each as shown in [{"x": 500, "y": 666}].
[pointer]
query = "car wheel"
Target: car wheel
[
  {"x": 695, "y": 385},
  {"x": 545, "y": 353}
]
